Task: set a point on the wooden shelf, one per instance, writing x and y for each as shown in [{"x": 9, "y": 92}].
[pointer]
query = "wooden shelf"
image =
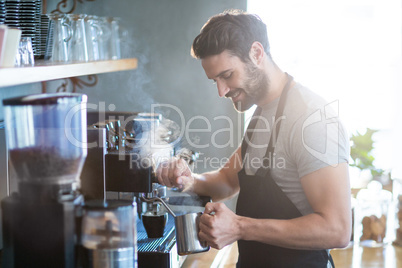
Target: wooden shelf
[{"x": 45, "y": 71}]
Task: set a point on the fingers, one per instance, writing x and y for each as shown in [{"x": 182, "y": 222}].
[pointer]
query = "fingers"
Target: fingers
[
  {"x": 207, "y": 218},
  {"x": 209, "y": 208},
  {"x": 212, "y": 208},
  {"x": 203, "y": 236},
  {"x": 173, "y": 173},
  {"x": 182, "y": 168},
  {"x": 209, "y": 235},
  {"x": 215, "y": 226}
]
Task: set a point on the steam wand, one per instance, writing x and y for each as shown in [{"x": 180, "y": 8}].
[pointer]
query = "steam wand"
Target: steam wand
[{"x": 160, "y": 200}]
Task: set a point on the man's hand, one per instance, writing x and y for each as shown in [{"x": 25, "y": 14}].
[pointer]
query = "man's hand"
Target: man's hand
[
  {"x": 175, "y": 173},
  {"x": 219, "y": 226}
]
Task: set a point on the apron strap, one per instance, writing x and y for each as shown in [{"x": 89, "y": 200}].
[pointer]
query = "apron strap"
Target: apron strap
[
  {"x": 249, "y": 132},
  {"x": 263, "y": 170}
]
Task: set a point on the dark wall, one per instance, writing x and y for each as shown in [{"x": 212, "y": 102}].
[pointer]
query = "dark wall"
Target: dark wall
[{"x": 160, "y": 34}]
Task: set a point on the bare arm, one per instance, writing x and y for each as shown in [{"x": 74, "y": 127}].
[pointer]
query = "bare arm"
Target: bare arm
[
  {"x": 328, "y": 192},
  {"x": 219, "y": 184}
]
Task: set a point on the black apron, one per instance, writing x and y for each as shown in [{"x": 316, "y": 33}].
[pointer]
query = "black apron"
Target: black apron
[{"x": 261, "y": 198}]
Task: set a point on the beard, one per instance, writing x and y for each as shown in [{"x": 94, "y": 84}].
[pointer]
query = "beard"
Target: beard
[{"x": 255, "y": 88}]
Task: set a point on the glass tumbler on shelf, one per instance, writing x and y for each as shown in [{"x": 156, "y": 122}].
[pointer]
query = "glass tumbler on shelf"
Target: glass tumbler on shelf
[
  {"x": 110, "y": 41},
  {"x": 77, "y": 46},
  {"x": 114, "y": 48},
  {"x": 104, "y": 39},
  {"x": 25, "y": 52},
  {"x": 62, "y": 34},
  {"x": 93, "y": 32},
  {"x": 371, "y": 215}
]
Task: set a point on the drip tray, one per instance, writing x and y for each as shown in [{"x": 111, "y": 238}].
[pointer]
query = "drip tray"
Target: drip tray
[{"x": 157, "y": 252}]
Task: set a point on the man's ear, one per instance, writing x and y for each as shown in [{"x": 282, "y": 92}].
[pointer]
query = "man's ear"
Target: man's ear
[{"x": 256, "y": 53}]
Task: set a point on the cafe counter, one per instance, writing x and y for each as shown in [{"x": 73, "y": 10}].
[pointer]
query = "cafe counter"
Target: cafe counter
[
  {"x": 389, "y": 257},
  {"x": 356, "y": 256}
]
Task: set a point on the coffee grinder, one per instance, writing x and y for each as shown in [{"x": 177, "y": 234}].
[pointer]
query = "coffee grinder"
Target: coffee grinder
[{"x": 46, "y": 134}]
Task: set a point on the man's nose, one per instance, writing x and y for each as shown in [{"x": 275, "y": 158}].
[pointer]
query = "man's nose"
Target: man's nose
[{"x": 223, "y": 88}]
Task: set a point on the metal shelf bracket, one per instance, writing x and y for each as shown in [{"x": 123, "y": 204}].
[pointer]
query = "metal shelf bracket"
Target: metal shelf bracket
[{"x": 64, "y": 4}]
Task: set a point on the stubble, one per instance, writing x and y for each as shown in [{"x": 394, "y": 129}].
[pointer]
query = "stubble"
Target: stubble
[{"x": 255, "y": 87}]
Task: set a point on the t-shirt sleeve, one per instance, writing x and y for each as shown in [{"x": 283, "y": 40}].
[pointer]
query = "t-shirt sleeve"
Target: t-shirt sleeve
[{"x": 319, "y": 139}]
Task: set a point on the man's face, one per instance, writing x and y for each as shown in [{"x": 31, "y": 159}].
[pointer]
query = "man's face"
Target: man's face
[{"x": 244, "y": 83}]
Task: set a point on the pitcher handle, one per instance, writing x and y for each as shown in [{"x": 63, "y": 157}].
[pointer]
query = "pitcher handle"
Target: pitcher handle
[
  {"x": 99, "y": 31},
  {"x": 69, "y": 31}
]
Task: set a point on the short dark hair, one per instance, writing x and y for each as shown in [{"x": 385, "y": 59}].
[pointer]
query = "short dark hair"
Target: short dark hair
[{"x": 232, "y": 30}]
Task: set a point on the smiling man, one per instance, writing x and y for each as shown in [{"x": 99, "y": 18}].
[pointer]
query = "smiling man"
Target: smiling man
[{"x": 287, "y": 215}]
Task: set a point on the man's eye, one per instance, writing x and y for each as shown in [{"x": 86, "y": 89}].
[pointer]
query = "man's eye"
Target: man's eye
[
  {"x": 227, "y": 76},
  {"x": 214, "y": 82}
]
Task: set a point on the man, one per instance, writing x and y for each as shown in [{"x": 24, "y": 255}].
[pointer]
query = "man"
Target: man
[{"x": 294, "y": 204}]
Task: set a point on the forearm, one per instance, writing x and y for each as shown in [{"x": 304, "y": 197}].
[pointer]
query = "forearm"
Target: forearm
[
  {"x": 219, "y": 184},
  {"x": 313, "y": 231},
  {"x": 213, "y": 184}
]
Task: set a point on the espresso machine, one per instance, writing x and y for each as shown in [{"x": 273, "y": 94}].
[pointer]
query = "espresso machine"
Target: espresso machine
[
  {"x": 121, "y": 167},
  {"x": 45, "y": 135}
]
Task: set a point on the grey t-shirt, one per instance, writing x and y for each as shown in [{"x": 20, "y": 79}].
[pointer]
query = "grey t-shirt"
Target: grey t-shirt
[{"x": 311, "y": 137}]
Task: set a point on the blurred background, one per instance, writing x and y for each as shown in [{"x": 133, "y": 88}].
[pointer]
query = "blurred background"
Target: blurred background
[{"x": 347, "y": 51}]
